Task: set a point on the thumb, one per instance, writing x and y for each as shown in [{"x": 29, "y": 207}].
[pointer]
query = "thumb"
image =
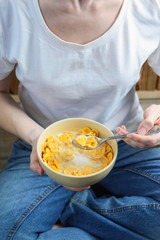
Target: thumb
[{"x": 150, "y": 118}]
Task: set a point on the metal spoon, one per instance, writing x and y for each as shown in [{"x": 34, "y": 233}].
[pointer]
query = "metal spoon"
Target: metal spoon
[{"x": 100, "y": 140}]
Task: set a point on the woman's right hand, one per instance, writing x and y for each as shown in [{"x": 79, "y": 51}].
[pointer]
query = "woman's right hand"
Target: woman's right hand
[{"x": 36, "y": 167}]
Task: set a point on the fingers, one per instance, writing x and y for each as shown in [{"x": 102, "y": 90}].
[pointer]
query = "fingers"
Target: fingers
[
  {"x": 140, "y": 141},
  {"x": 34, "y": 163},
  {"x": 151, "y": 118},
  {"x": 36, "y": 167},
  {"x": 150, "y": 121},
  {"x": 121, "y": 130}
]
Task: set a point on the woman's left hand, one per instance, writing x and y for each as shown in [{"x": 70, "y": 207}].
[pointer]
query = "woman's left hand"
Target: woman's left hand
[{"x": 139, "y": 139}]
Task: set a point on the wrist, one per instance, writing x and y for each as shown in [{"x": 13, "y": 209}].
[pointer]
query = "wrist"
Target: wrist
[{"x": 35, "y": 134}]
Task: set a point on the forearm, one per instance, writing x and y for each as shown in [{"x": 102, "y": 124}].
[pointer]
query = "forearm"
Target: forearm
[{"x": 15, "y": 121}]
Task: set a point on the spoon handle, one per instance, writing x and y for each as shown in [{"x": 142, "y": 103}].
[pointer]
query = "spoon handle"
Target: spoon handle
[
  {"x": 125, "y": 135},
  {"x": 114, "y": 137}
]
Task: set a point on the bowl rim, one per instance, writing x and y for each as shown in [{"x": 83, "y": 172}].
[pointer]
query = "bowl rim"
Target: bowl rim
[{"x": 77, "y": 176}]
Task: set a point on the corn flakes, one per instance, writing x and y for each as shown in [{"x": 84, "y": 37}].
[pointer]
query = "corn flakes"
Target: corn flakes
[{"x": 60, "y": 155}]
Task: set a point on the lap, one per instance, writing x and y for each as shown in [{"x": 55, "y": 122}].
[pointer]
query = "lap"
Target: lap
[
  {"x": 126, "y": 204},
  {"x": 136, "y": 173},
  {"x": 29, "y": 203},
  {"x": 123, "y": 204}
]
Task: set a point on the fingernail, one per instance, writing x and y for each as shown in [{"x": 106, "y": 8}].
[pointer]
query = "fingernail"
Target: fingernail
[{"x": 142, "y": 130}]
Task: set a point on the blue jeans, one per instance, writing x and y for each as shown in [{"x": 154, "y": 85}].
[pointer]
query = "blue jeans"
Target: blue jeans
[{"x": 125, "y": 205}]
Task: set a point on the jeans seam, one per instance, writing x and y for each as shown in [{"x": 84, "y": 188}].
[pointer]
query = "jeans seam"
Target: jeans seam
[
  {"x": 32, "y": 206},
  {"x": 118, "y": 209},
  {"x": 143, "y": 173}
]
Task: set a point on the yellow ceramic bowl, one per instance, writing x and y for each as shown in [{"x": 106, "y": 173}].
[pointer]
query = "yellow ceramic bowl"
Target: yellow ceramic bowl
[{"x": 67, "y": 125}]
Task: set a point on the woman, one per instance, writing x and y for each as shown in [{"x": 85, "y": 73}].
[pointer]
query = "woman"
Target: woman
[{"x": 79, "y": 58}]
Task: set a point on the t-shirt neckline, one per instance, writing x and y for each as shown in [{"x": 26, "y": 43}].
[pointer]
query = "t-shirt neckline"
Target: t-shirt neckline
[{"x": 54, "y": 38}]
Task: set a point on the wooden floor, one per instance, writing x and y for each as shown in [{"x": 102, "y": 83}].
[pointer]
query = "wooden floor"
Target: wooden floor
[{"x": 7, "y": 139}]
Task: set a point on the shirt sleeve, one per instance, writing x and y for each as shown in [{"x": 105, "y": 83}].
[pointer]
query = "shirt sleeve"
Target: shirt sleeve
[
  {"x": 5, "y": 66},
  {"x": 154, "y": 61}
]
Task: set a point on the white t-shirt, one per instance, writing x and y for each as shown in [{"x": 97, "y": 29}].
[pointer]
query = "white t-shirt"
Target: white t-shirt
[{"x": 59, "y": 79}]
